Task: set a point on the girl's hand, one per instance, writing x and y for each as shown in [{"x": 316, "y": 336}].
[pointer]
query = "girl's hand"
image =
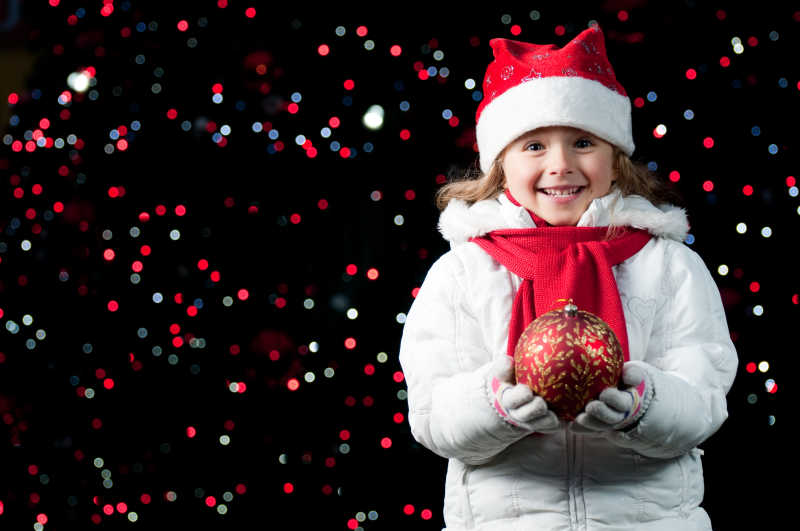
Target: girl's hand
[
  {"x": 617, "y": 409},
  {"x": 517, "y": 404}
]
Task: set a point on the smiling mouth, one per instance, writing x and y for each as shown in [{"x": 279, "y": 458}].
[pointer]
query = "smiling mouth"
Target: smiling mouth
[{"x": 561, "y": 191}]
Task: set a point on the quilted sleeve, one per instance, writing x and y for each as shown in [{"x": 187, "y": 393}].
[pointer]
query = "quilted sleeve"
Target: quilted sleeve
[
  {"x": 449, "y": 408},
  {"x": 691, "y": 378}
]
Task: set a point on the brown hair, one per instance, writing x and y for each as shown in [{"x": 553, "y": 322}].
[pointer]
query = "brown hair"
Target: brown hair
[{"x": 632, "y": 178}]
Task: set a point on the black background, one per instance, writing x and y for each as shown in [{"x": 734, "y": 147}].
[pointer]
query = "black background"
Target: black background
[{"x": 65, "y": 284}]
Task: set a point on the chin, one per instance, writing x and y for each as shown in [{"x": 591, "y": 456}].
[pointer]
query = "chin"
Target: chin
[{"x": 559, "y": 218}]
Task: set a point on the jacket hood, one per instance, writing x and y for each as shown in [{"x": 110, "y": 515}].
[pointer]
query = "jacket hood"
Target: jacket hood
[{"x": 461, "y": 221}]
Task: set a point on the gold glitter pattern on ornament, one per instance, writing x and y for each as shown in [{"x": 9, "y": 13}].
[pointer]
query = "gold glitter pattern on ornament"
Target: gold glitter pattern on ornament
[{"x": 568, "y": 360}]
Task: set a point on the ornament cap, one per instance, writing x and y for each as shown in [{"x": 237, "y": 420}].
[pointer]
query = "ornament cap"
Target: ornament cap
[{"x": 570, "y": 309}]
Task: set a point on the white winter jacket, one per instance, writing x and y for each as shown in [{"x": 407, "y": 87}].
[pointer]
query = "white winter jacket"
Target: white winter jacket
[{"x": 499, "y": 476}]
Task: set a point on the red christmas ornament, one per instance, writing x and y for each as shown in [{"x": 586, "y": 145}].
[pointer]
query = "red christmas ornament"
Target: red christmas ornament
[{"x": 568, "y": 357}]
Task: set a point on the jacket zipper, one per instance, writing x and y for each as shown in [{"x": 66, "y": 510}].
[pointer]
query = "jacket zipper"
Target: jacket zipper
[
  {"x": 577, "y": 504},
  {"x": 469, "y": 521}
]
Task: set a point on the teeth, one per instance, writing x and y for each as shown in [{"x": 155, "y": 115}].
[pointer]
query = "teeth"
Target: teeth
[{"x": 562, "y": 192}]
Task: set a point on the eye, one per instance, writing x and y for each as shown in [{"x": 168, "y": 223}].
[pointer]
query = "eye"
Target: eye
[
  {"x": 535, "y": 145},
  {"x": 584, "y": 143}
]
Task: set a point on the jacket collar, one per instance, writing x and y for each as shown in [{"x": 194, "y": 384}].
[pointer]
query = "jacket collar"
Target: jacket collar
[{"x": 461, "y": 221}]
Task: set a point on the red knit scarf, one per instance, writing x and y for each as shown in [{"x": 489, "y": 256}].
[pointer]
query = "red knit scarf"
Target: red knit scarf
[{"x": 564, "y": 262}]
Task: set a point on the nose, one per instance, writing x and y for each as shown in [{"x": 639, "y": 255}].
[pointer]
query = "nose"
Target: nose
[{"x": 560, "y": 160}]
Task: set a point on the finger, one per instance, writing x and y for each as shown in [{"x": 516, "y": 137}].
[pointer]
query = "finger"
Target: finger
[
  {"x": 531, "y": 410},
  {"x": 600, "y": 411},
  {"x": 547, "y": 423},
  {"x": 632, "y": 374},
  {"x": 589, "y": 422},
  {"x": 622, "y": 401},
  {"x": 576, "y": 427},
  {"x": 516, "y": 396}
]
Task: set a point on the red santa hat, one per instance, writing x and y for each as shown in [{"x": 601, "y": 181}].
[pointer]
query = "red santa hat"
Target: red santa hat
[{"x": 537, "y": 85}]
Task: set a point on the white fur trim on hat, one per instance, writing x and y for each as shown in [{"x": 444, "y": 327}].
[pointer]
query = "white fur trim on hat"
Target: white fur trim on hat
[{"x": 569, "y": 101}]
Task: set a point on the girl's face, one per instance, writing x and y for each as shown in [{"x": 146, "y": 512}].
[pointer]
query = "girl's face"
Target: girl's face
[{"x": 557, "y": 171}]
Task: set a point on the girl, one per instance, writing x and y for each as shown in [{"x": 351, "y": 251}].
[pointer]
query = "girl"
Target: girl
[{"x": 561, "y": 212}]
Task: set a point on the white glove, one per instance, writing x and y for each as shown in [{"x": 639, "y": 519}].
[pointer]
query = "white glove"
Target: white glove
[
  {"x": 517, "y": 404},
  {"x": 617, "y": 409}
]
